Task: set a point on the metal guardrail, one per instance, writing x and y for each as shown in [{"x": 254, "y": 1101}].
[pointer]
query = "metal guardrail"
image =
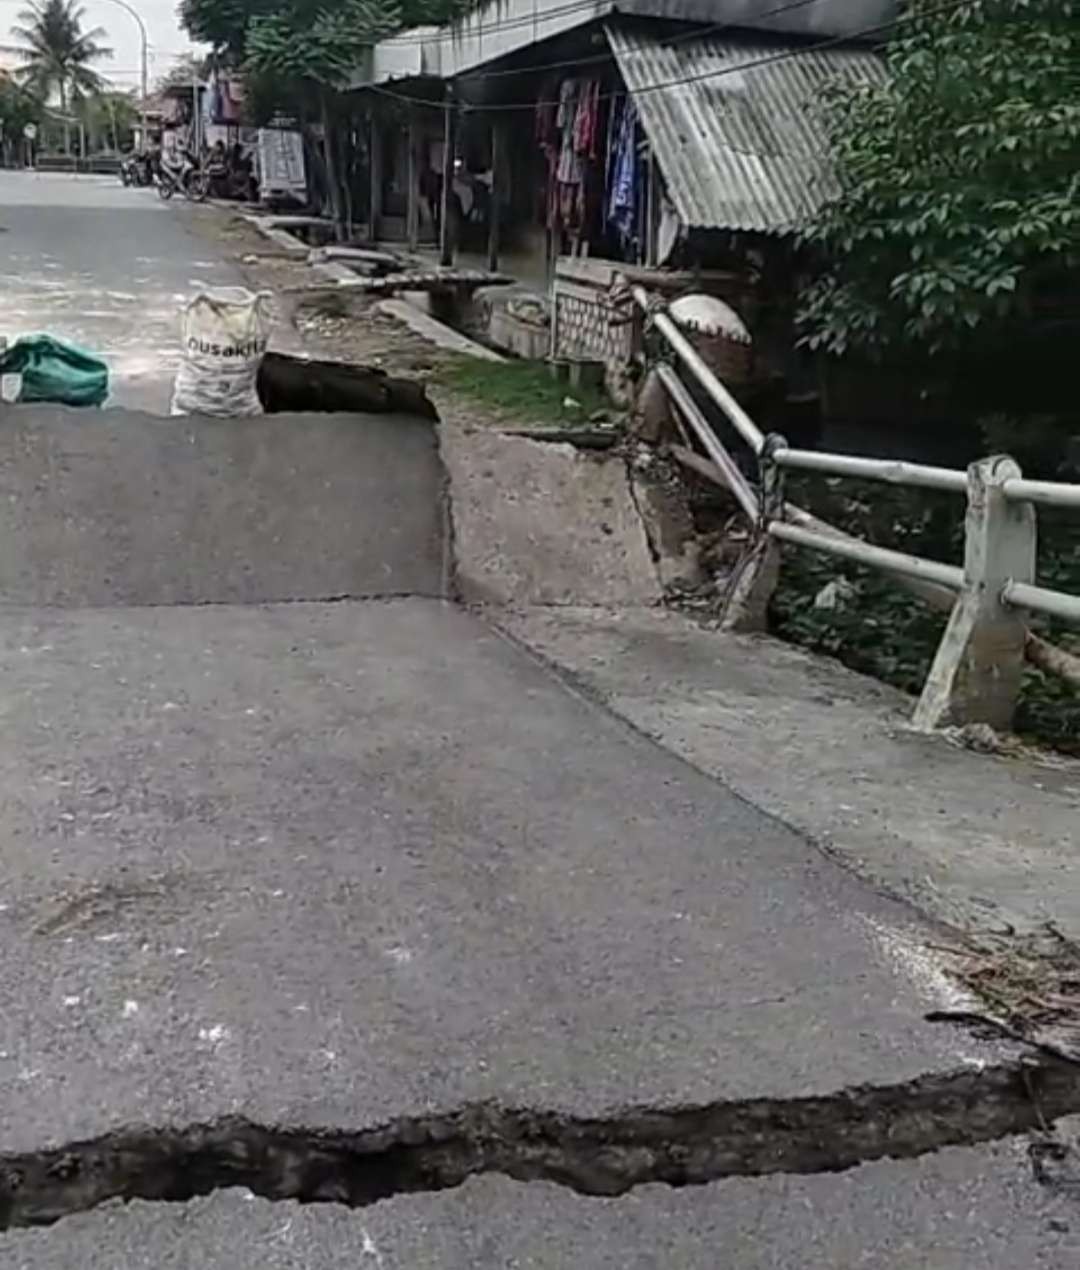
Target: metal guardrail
[
  {"x": 949, "y": 575},
  {"x": 976, "y": 673}
]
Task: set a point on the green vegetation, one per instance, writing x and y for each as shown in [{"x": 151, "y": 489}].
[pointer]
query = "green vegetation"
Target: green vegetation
[
  {"x": 524, "y": 392},
  {"x": 881, "y": 629},
  {"x": 297, "y": 57},
  {"x": 226, "y": 24},
  {"x": 958, "y": 225},
  {"x": 310, "y": 50},
  {"x": 18, "y": 107},
  {"x": 951, "y": 256},
  {"x": 58, "y": 55},
  {"x": 110, "y": 119}
]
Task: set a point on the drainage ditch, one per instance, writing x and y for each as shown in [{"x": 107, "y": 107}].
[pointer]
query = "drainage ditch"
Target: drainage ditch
[{"x": 679, "y": 1146}]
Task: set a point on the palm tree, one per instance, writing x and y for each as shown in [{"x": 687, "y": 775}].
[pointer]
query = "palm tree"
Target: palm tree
[{"x": 57, "y": 54}]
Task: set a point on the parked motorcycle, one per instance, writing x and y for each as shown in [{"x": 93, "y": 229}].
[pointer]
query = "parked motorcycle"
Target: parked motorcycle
[
  {"x": 137, "y": 169},
  {"x": 229, "y": 182},
  {"x": 230, "y": 174},
  {"x": 188, "y": 176}
]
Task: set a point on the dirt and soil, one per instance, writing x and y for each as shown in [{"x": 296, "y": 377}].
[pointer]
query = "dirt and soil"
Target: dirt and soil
[{"x": 351, "y": 328}]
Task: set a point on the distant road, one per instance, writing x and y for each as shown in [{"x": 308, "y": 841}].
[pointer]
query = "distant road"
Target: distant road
[{"x": 86, "y": 259}]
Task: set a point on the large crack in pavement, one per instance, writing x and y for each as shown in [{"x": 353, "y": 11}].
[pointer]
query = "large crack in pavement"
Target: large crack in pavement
[{"x": 605, "y": 1156}]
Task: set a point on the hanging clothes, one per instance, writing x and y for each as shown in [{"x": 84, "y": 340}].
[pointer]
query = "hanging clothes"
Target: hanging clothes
[
  {"x": 233, "y": 104},
  {"x": 623, "y": 182},
  {"x": 568, "y": 171},
  {"x": 568, "y": 128},
  {"x": 587, "y": 119},
  {"x": 544, "y": 121}
]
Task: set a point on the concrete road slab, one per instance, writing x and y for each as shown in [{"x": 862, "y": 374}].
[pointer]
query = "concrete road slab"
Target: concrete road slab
[
  {"x": 954, "y": 1210},
  {"x": 327, "y": 864},
  {"x": 120, "y": 507}
]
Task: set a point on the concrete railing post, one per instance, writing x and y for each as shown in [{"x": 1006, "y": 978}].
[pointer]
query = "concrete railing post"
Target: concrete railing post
[
  {"x": 746, "y": 605},
  {"x": 979, "y": 664}
]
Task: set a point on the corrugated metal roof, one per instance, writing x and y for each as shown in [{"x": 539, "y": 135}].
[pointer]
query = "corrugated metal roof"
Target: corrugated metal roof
[
  {"x": 499, "y": 28},
  {"x": 740, "y": 146}
]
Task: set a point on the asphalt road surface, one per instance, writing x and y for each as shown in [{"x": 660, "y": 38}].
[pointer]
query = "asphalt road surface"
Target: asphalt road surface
[
  {"x": 336, "y": 861},
  {"x": 107, "y": 267}
]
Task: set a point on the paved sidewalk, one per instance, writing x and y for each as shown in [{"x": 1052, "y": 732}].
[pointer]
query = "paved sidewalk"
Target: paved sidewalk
[{"x": 975, "y": 840}]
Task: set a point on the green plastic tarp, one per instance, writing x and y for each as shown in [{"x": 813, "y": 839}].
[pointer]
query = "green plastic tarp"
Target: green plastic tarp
[{"x": 54, "y": 370}]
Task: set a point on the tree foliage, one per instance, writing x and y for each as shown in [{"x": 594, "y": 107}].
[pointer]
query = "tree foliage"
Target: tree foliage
[
  {"x": 958, "y": 222},
  {"x": 58, "y": 55},
  {"x": 18, "y": 107},
  {"x": 223, "y": 24},
  {"x": 226, "y": 24},
  {"x": 184, "y": 70},
  {"x": 297, "y": 56},
  {"x": 306, "y": 41},
  {"x": 110, "y": 119}
]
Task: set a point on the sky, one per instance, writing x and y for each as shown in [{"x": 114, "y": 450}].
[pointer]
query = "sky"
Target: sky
[{"x": 166, "y": 40}]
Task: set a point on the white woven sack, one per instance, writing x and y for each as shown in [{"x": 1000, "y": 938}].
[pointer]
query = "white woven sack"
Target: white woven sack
[{"x": 225, "y": 333}]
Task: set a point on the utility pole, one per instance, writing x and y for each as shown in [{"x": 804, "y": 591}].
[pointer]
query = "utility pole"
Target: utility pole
[
  {"x": 196, "y": 115},
  {"x": 144, "y": 69},
  {"x": 446, "y": 230}
]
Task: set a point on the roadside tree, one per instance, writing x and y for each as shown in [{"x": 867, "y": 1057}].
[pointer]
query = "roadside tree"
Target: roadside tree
[
  {"x": 58, "y": 55},
  {"x": 957, "y": 228}
]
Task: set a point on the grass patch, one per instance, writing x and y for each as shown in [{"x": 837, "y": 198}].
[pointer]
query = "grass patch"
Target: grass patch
[{"x": 522, "y": 392}]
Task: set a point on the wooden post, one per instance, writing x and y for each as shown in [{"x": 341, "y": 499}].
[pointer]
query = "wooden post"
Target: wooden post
[
  {"x": 375, "y": 173},
  {"x": 412, "y": 193},
  {"x": 976, "y": 673},
  {"x": 746, "y": 604},
  {"x": 496, "y": 194},
  {"x": 446, "y": 231},
  {"x": 652, "y": 209}
]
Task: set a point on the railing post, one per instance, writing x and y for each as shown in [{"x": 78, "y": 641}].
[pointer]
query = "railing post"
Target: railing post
[
  {"x": 746, "y": 604},
  {"x": 979, "y": 664}
]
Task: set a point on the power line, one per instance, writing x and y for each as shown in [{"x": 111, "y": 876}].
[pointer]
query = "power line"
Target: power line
[
  {"x": 511, "y": 24},
  {"x": 679, "y": 38},
  {"x": 718, "y": 73}
]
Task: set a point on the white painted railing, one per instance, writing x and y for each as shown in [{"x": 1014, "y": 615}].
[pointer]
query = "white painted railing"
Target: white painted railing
[{"x": 977, "y": 670}]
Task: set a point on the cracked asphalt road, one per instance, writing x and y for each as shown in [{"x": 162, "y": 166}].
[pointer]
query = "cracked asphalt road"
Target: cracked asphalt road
[
  {"x": 325, "y": 863},
  {"x": 955, "y": 1210}
]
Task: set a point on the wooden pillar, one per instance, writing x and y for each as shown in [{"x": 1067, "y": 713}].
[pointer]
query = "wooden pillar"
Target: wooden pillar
[
  {"x": 497, "y": 164},
  {"x": 446, "y": 230},
  {"x": 375, "y": 174},
  {"x": 412, "y": 194},
  {"x": 652, "y": 208}
]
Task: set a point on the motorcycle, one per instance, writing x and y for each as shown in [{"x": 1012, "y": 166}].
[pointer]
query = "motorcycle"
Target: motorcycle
[
  {"x": 226, "y": 181},
  {"x": 188, "y": 176},
  {"x": 137, "y": 169}
]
